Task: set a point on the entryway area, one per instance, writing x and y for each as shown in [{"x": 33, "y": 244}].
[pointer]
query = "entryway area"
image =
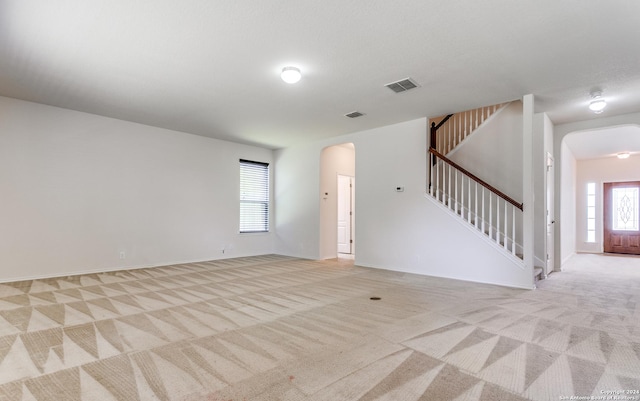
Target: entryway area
[
  {"x": 337, "y": 201},
  {"x": 599, "y": 192}
]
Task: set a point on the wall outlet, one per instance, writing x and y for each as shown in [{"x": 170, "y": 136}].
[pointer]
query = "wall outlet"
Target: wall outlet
[{"x": 123, "y": 255}]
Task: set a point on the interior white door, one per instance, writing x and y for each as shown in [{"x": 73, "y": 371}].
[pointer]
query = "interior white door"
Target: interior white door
[
  {"x": 345, "y": 214},
  {"x": 550, "y": 216}
]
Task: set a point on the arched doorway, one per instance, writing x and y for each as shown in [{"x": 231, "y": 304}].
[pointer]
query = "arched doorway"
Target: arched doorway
[{"x": 337, "y": 190}]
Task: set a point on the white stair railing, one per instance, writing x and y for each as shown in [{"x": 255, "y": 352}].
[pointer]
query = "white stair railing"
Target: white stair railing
[
  {"x": 455, "y": 128},
  {"x": 482, "y": 206}
]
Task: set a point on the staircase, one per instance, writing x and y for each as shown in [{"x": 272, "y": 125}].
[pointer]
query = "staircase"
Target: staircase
[{"x": 482, "y": 206}]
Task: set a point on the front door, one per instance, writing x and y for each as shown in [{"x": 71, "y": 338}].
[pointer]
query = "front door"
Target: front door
[{"x": 622, "y": 217}]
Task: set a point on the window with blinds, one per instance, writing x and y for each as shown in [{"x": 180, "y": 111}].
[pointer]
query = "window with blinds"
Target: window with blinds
[{"x": 254, "y": 196}]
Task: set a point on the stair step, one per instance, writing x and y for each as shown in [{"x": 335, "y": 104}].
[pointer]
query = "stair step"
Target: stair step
[{"x": 538, "y": 273}]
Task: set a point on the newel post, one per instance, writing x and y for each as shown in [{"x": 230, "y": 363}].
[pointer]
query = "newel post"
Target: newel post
[
  {"x": 432, "y": 140},
  {"x": 431, "y": 160}
]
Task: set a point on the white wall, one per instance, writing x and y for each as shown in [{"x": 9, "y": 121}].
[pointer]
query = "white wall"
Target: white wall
[
  {"x": 566, "y": 187},
  {"x": 494, "y": 151},
  {"x": 77, "y": 189},
  {"x": 599, "y": 171},
  {"x": 334, "y": 160},
  {"x": 297, "y": 200},
  {"x": 543, "y": 144},
  {"x": 398, "y": 231}
]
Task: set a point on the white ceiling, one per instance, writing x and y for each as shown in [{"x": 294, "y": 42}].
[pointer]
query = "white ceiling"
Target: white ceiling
[
  {"x": 606, "y": 142},
  {"x": 212, "y": 67}
]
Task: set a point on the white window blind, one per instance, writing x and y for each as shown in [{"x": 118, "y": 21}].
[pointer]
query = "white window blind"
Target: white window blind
[{"x": 254, "y": 196}]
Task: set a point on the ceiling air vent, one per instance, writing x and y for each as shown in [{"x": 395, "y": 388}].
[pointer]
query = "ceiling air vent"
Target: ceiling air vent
[
  {"x": 403, "y": 85},
  {"x": 354, "y": 114}
]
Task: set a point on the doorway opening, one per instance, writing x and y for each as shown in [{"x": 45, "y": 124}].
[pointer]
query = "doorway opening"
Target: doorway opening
[
  {"x": 345, "y": 215},
  {"x": 337, "y": 202},
  {"x": 550, "y": 215}
]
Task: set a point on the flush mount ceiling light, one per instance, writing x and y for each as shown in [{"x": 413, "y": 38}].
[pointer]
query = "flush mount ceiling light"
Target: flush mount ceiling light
[
  {"x": 290, "y": 75},
  {"x": 623, "y": 155},
  {"x": 598, "y": 103}
]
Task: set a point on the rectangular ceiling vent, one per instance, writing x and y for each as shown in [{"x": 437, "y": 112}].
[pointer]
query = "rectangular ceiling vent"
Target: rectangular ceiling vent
[
  {"x": 403, "y": 85},
  {"x": 354, "y": 114}
]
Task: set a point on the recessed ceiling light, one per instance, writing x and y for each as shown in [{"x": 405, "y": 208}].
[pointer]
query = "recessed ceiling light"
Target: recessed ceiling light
[
  {"x": 598, "y": 104},
  {"x": 623, "y": 155},
  {"x": 290, "y": 75}
]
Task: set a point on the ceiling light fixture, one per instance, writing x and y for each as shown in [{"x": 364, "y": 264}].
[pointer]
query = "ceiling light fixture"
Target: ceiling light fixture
[
  {"x": 623, "y": 155},
  {"x": 290, "y": 75},
  {"x": 598, "y": 103}
]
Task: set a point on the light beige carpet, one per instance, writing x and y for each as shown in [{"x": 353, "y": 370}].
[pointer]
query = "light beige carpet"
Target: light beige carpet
[{"x": 277, "y": 328}]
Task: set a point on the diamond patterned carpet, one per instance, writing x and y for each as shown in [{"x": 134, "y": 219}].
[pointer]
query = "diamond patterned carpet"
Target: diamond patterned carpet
[{"x": 278, "y": 328}]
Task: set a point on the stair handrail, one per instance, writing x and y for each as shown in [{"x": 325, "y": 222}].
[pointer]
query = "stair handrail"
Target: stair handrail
[
  {"x": 441, "y": 123},
  {"x": 480, "y": 181}
]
